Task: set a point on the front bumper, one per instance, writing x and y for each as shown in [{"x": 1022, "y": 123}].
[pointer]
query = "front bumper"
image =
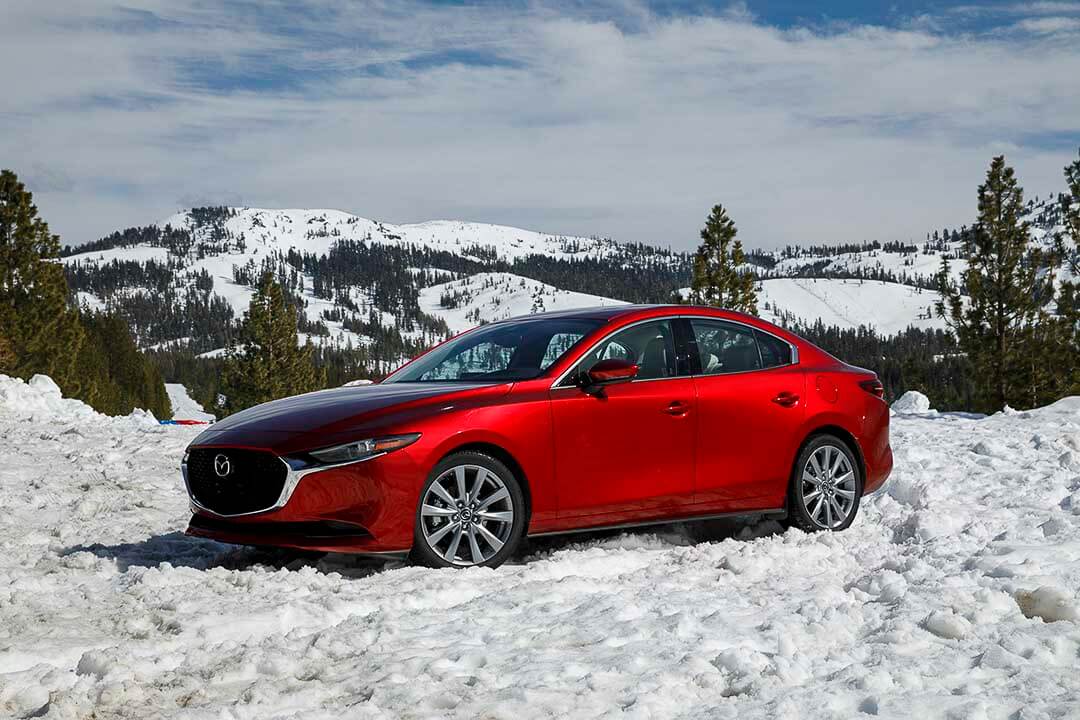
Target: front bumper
[{"x": 364, "y": 507}]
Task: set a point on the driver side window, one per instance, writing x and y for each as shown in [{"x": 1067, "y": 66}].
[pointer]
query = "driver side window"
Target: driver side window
[{"x": 650, "y": 346}]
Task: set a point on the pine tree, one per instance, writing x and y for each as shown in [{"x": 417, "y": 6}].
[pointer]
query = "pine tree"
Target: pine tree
[
  {"x": 1001, "y": 297},
  {"x": 43, "y": 332},
  {"x": 1070, "y": 211},
  {"x": 717, "y": 278},
  {"x": 1064, "y": 351},
  {"x": 267, "y": 363},
  {"x": 127, "y": 378},
  {"x": 7, "y": 355}
]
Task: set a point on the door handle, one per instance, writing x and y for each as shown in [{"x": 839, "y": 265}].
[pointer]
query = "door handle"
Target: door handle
[
  {"x": 786, "y": 399},
  {"x": 677, "y": 407}
]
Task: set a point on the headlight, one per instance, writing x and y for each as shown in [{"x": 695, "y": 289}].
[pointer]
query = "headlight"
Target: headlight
[{"x": 363, "y": 449}]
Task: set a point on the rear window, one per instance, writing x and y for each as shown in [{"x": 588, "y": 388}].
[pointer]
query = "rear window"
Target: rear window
[
  {"x": 774, "y": 351},
  {"x": 725, "y": 347}
]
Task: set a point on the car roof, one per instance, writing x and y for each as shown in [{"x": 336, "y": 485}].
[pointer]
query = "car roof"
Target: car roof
[{"x": 608, "y": 313}]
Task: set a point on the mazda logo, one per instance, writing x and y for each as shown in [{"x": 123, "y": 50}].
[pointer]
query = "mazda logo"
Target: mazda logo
[{"x": 222, "y": 466}]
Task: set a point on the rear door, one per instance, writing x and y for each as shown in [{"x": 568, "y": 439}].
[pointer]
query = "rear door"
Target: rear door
[
  {"x": 750, "y": 410},
  {"x": 629, "y": 449}
]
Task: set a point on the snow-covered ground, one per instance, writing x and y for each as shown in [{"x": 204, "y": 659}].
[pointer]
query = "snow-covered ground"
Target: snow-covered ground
[{"x": 108, "y": 610}]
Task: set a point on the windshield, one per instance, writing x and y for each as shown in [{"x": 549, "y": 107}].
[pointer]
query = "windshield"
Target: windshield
[{"x": 501, "y": 353}]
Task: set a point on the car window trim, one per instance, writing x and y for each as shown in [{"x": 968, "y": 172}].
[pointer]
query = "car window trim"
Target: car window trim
[
  {"x": 674, "y": 341},
  {"x": 794, "y": 348},
  {"x": 556, "y": 384}
]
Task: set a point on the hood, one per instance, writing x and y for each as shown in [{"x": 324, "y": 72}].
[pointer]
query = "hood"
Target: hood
[{"x": 338, "y": 409}]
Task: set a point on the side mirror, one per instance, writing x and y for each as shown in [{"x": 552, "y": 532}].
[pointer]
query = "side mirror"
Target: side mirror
[{"x": 607, "y": 372}]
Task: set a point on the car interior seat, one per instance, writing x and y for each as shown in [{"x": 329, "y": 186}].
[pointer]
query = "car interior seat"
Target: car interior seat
[
  {"x": 654, "y": 359},
  {"x": 741, "y": 357}
]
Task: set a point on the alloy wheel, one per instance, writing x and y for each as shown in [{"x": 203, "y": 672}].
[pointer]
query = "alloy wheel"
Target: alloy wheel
[
  {"x": 828, "y": 487},
  {"x": 467, "y": 515}
]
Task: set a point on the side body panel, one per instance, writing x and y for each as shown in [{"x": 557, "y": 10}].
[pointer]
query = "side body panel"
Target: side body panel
[
  {"x": 835, "y": 400},
  {"x": 629, "y": 449},
  {"x": 746, "y": 441}
]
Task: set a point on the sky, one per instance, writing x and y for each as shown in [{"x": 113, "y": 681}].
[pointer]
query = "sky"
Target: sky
[{"x": 826, "y": 122}]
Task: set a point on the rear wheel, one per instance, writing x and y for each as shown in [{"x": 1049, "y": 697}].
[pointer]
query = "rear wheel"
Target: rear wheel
[
  {"x": 826, "y": 486},
  {"x": 471, "y": 513}
]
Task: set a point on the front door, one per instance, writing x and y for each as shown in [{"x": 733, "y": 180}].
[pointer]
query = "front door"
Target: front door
[{"x": 629, "y": 449}]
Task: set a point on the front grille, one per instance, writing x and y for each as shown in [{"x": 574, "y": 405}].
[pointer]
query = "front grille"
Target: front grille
[{"x": 253, "y": 482}]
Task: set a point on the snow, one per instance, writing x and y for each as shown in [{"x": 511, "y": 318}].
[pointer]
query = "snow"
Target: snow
[
  {"x": 315, "y": 230},
  {"x": 912, "y": 401},
  {"x": 952, "y": 595},
  {"x": 885, "y": 306},
  {"x": 137, "y": 253},
  {"x": 487, "y": 297},
  {"x": 183, "y": 406},
  {"x": 89, "y": 300}
]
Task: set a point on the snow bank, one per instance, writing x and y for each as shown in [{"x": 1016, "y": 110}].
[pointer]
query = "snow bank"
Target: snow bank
[
  {"x": 952, "y": 595},
  {"x": 40, "y": 399}
]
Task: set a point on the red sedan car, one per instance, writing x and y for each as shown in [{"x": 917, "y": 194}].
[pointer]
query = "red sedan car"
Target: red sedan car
[{"x": 551, "y": 423}]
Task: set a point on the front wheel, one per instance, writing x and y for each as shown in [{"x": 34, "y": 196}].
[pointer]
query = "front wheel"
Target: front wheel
[
  {"x": 471, "y": 513},
  {"x": 826, "y": 486}
]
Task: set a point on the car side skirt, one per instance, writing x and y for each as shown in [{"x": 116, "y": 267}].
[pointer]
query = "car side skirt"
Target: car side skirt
[{"x": 767, "y": 513}]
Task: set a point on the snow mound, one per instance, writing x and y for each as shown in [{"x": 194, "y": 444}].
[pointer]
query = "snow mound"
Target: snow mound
[
  {"x": 39, "y": 399},
  {"x": 912, "y": 401},
  {"x": 1049, "y": 603}
]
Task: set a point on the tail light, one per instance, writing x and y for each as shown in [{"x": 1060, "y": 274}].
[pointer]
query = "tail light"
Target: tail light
[{"x": 874, "y": 387}]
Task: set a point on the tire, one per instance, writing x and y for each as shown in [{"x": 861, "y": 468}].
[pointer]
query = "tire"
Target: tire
[
  {"x": 454, "y": 528},
  {"x": 815, "y": 499}
]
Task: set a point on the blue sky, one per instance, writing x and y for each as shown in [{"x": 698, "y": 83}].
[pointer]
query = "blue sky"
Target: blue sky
[{"x": 812, "y": 122}]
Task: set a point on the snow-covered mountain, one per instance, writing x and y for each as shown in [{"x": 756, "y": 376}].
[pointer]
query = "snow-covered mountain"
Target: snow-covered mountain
[
  {"x": 316, "y": 231},
  {"x": 183, "y": 280},
  {"x": 440, "y": 276}
]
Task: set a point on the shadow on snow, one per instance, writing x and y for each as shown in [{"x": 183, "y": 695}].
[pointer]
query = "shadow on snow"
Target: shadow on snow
[{"x": 180, "y": 550}]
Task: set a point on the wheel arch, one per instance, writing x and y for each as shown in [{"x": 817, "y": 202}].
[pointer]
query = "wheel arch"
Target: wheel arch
[
  {"x": 506, "y": 458},
  {"x": 841, "y": 434}
]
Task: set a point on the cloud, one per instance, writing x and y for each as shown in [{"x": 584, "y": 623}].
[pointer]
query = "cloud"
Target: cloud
[
  {"x": 604, "y": 118},
  {"x": 1049, "y": 25}
]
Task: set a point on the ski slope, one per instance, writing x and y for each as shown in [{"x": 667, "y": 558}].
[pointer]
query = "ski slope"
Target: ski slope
[
  {"x": 952, "y": 596},
  {"x": 184, "y": 407},
  {"x": 887, "y": 307}
]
